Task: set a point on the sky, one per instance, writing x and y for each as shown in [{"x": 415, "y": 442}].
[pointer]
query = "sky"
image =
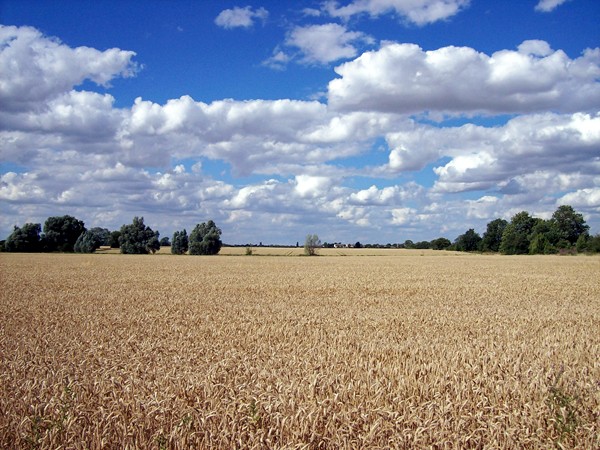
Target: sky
[{"x": 360, "y": 120}]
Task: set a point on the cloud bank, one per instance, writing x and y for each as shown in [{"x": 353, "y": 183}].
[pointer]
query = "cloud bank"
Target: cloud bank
[{"x": 72, "y": 151}]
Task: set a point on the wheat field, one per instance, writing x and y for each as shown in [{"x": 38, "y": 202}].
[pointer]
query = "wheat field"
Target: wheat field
[{"x": 341, "y": 351}]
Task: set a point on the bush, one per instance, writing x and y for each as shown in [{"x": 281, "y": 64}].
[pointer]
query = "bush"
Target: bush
[{"x": 310, "y": 244}]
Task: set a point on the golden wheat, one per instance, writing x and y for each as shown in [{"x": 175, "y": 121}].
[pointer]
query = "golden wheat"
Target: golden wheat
[{"x": 392, "y": 351}]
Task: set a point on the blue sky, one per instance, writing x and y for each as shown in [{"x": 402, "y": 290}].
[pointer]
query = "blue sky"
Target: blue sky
[{"x": 370, "y": 120}]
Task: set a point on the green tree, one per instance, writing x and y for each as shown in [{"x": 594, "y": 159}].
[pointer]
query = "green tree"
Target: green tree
[
  {"x": 516, "y": 235},
  {"x": 25, "y": 239},
  {"x": 440, "y": 243},
  {"x": 165, "y": 242},
  {"x": 468, "y": 242},
  {"x": 540, "y": 244},
  {"x": 493, "y": 235},
  {"x": 205, "y": 239},
  {"x": 311, "y": 243},
  {"x": 569, "y": 224},
  {"x": 543, "y": 237},
  {"x": 138, "y": 238},
  {"x": 180, "y": 242},
  {"x": 61, "y": 233},
  {"x": 593, "y": 244},
  {"x": 89, "y": 241},
  {"x": 114, "y": 239},
  {"x": 103, "y": 233},
  {"x": 422, "y": 245}
]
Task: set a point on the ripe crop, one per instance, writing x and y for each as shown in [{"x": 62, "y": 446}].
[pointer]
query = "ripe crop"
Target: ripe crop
[{"x": 394, "y": 350}]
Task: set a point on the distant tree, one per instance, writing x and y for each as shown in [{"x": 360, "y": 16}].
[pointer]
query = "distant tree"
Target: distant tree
[
  {"x": 89, "y": 241},
  {"x": 311, "y": 243},
  {"x": 180, "y": 242},
  {"x": 422, "y": 245},
  {"x": 543, "y": 237},
  {"x": 61, "y": 233},
  {"x": 409, "y": 244},
  {"x": 569, "y": 224},
  {"x": 516, "y": 235},
  {"x": 493, "y": 235},
  {"x": 138, "y": 238},
  {"x": 25, "y": 239},
  {"x": 103, "y": 233},
  {"x": 593, "y": 244},
  {"x": 358, "y": 245},
  {"x": 582, "y": 242},
  {"x": 440, "y": 244},
  {"x": 165, "y": 242},
  {"x": 468, "y": 242},
  {"x": 205, "y": 239},
  {"x": 114, "y": 239}
]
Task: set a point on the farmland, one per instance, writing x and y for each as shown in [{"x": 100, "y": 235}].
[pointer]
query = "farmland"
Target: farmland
[{"x": 351, "y": 349}]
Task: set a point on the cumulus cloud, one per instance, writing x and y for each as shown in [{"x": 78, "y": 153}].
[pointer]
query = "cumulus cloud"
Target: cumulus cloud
[
  {"x": 548, "y": 5},
  {"x": 582, "y": 198},
  {"x": 35, "y": 68},
  {"x": 403, "y": 78},
  {"x": 491, "y": 157},
  {"x": 240, "y": 17},
  {"x": 419, "y": 12},
  {"x": 81, "y": 155},
  {"x": 326, "y": 43}
]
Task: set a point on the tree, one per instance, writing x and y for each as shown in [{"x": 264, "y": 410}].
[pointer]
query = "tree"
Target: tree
[
  {"x": 311, "y": 243},
  {"x": 543, "y": 237},
  {"x": 440, "y": 244},
  {"x": 358, "y": 245},
  {"x": 205, "y": 239},
  {"x": 493, "y": 235},
  {"x": 26, "y": 239},
  {"x": 516, "y": 235},
  {"x": 138, "y": 238},
  {"x": 593, "y": 244},
  {"x": 569, "y": 224},
  {"x": 114, "y": 239},
  {"x": 409, "y": 244},
  {"x": 180, "y": 243},
  {"x": 540, "y": 245},
  {"x": 89, "y": 241},
  {"x": 61, "y": 233},
  {"x": 165, "y": 242},
  {"x": 422, "y": 245},
  {"x": 468, "y": 242},
  {"x": 103, "y": 233}
]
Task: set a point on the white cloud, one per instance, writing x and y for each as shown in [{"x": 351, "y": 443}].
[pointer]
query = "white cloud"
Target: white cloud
[
  {"x": 485, "y": 157},
  {"x": 420, "y": 12},
  {"x": 388, "y": 196},
  {"x": 582, "y": 198},
  {"x": 240, "y": 17},
  {"x": 403, "y": 78},
  {"x": 278, "y": 60},
  {"x": 402, "y": 216},
  {"x": 81, "y": 155},
  {"x": 326, "y": 43},
  {"x": 548, "y": 5},
  {"x": 308, "y": 186},
  {"x": 35, "y": 68}
]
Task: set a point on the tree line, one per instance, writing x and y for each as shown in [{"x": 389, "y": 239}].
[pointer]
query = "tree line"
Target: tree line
[
  {"x": 565, "y": 232},
  {"x": 69, "y": 234}
]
